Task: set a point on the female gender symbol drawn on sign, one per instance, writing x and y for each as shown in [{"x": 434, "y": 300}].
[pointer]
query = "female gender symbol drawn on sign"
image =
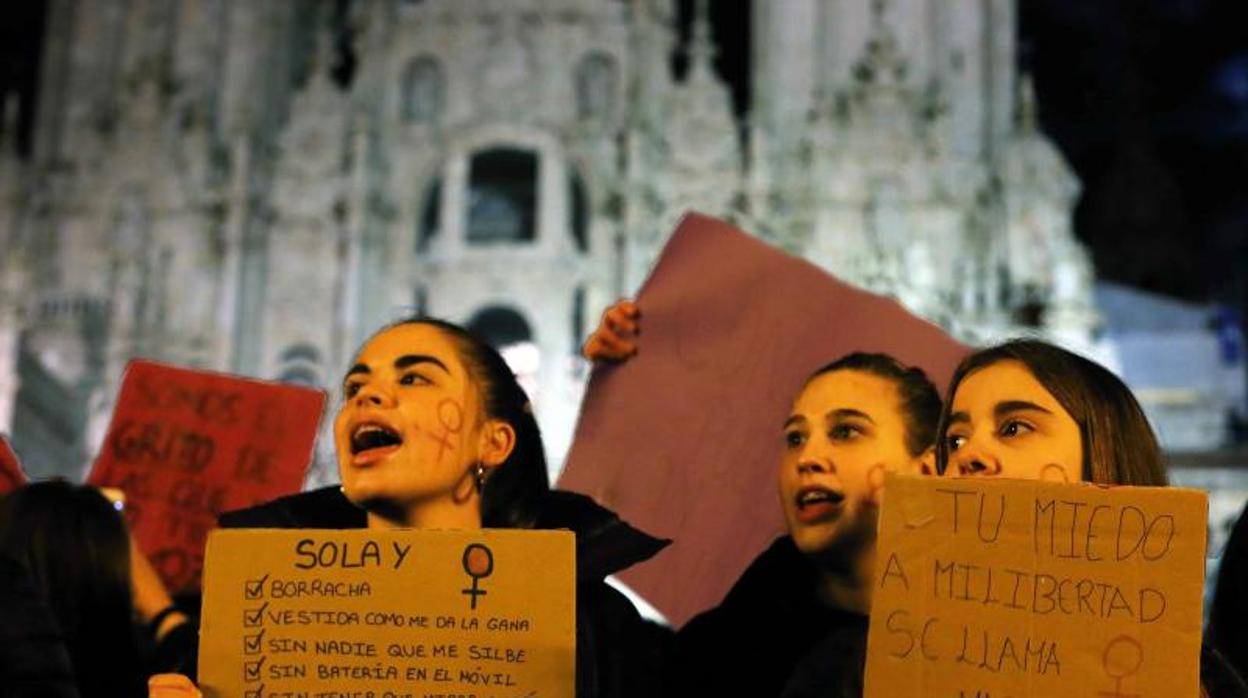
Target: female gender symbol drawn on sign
[
  {"x": 1122, "y": 658},
  {"x": 479, "y": 564},
  {"x": 451, "y": 418}
]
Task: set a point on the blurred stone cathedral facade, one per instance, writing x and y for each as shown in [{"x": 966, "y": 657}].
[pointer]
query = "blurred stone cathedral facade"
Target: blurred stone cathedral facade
[{"x": 254, "y": 187}]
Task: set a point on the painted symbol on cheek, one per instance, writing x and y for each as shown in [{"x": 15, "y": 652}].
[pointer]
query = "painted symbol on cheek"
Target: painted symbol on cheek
[
  {"x": 451, "y": 419},
  {"x": 1123, "y": 657},
  {"x": 1053, "y": 472}
]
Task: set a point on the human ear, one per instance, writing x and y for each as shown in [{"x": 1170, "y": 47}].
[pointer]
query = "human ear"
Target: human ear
[
  {"x": 925, "y": 463},
  {"x": 498, "y": 440}
]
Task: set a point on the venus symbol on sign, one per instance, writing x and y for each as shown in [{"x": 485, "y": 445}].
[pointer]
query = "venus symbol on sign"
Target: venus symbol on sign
[{"x": 479, "y": 564}]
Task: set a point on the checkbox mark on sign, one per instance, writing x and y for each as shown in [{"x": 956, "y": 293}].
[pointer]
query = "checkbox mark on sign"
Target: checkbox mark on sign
[
  {"x": 257, "y": 692},
  {"x": 251, "y": 670},
  {"x": 253, "y": 589},
  {"x": 254, "y": 618},
  {"x": 252, "y": 643}
]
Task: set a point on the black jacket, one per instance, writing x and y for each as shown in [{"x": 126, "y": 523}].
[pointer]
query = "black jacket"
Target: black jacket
[
  {"x": 34, "y": 662},
  {"x": 618, "y": 653},
  {"x": 771, "y": 637},
  {"x": 1228, "y": 616}
]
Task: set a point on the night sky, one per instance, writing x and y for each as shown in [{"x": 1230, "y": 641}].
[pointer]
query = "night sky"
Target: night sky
[{"x": 1147, "y": 99}]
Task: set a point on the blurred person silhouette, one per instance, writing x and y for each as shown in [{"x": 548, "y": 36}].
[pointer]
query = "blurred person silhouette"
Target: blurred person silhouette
[{"x": 113, "y": 615}]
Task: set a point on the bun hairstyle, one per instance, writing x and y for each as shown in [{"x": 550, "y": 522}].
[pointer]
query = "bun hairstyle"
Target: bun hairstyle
[
  {"x": 1119, "y": 447},
  {"x": 513, "y": 492},
  {"x": 920, "y": 401}
]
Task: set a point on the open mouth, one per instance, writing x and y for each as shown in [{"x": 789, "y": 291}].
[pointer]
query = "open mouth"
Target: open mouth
[
  {"x": 811, "y": 496},
  {"x": 369, "y": 437},
  {"x": 815, "y": 502}
]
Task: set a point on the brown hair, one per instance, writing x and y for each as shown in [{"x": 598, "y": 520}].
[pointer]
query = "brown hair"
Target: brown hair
[
  {"x": 919, "y": 399},
  {"x": 1119, "y": 447}
]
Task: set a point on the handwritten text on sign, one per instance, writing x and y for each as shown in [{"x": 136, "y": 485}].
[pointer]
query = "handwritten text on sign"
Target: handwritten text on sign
[
  {"x": 186, "y": 445},
  {"x": 986, "y": 588},
  {"x": 487, "y": 613}
]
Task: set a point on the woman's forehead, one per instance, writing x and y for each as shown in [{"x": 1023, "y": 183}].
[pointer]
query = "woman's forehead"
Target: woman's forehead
[
  {"x": 410, "y": 339},
  {"x": 849, "y": 389},
  {"x": 1008, "y": 379}
]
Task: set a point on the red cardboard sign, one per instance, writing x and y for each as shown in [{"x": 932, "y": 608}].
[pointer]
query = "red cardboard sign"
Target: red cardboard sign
[
  {"x": 186, "y": 445},
  {"x": 11, "y": 474}
]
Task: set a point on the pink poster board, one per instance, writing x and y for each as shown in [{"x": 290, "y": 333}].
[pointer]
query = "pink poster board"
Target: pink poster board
[{"x": 684, "y": 439}]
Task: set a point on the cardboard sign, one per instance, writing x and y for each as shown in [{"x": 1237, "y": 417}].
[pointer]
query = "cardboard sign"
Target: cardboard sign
[
  {"x": 685, "y": 438},
  {"x": 11, "y": 474},
  {"x": 185, "y": 445},
  {"x": 992, "y": 588},
  {"x": 389, "y": 613}
]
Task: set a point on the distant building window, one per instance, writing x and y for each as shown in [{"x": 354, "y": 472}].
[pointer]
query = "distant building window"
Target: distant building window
[
  {"x": 423, "y": 91},
  {"x": 430, "y": 215},
  {"x": 578, "y": 219},
  {"x": 595, "y": 86},
  {"x": 300, "y": 375},
  {"x": 578, "y": 319},
  {"x": 300, "y": 365},
  {"x": 507, "y": 331},
  {"x": 420, "y": 302},
  {"x": 502, "y": 198},
  {"x": 301, "y": 352}
]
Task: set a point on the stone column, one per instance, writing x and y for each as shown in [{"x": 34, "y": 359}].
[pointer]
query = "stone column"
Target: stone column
[
  {"x": 552, "y": 197},
  {"x": 452, "y": 240}
]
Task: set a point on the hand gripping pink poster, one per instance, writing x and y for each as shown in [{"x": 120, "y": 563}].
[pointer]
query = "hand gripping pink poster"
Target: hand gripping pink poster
[{"x": 685, "y": 438}]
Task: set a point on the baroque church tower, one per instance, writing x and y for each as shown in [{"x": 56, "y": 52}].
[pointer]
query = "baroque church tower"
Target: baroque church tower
[{"x": 255, "y": 187}]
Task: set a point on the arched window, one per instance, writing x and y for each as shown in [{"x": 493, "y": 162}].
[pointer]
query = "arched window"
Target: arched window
[
  {"x": 595, "y": 86},
  {"x": 423, "y": 91},
  {"x": 300, "y": 365},
  {"x": 300, "y": 375},
  {"x": 301, "y": 352},
  {"x": 500, "y": 326},
  {"x": 502, "y": 196}
]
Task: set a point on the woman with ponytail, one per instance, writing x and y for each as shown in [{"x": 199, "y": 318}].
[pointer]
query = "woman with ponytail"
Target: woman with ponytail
[{"x": 433, "y": 431}]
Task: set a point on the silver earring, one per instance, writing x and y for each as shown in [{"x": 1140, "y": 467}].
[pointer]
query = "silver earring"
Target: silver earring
[{"x": 479, "y": 473}]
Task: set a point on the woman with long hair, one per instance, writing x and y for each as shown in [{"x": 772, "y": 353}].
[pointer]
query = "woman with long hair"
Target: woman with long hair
[
  {"x": 433, "y": 431},
  {"x": 75, "y": 548},
  {"x": 1027, "y": 409}
]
